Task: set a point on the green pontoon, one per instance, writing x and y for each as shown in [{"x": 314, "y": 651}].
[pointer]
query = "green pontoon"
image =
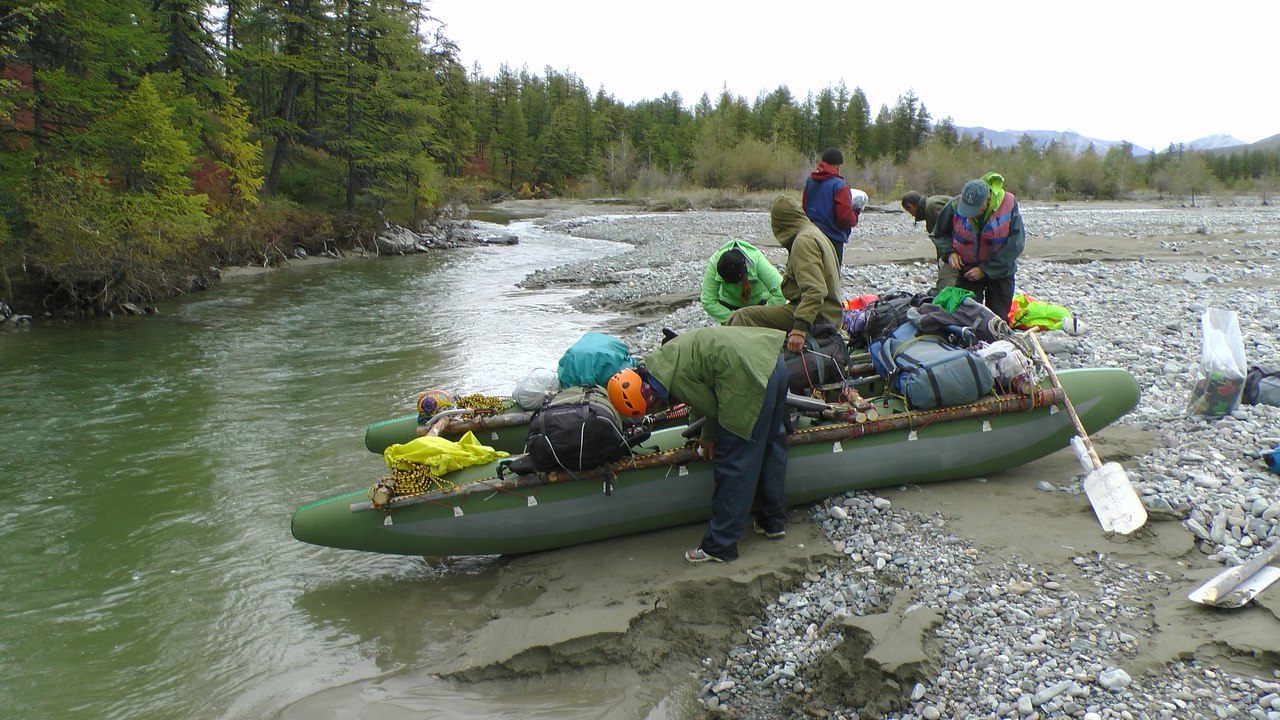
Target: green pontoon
[{"x": 666, "y": 484}]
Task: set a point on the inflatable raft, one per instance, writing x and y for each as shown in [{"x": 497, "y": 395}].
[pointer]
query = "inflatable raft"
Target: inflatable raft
[{"x": 488, "y": 511}]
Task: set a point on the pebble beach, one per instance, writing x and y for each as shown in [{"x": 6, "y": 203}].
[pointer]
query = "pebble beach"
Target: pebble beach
[{"x": 939, "y": 601}]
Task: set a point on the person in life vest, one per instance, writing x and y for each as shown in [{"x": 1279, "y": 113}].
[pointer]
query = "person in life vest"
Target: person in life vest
[
  {"x": 928, "y": 209},
  {"x": 810, "y": 280},
  {"x": 735, "y": 379},
  {"x": 830, "y": 203},
  {"x": 980, "y": 235},
  {"x": 738, "y": 275}
]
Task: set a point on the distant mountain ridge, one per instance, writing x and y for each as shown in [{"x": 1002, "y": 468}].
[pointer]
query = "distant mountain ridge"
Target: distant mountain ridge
[{"x": 1077, "y": 143}]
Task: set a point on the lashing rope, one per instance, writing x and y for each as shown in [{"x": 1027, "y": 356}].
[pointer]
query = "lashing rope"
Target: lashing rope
[{"x": 804, "y": 365}]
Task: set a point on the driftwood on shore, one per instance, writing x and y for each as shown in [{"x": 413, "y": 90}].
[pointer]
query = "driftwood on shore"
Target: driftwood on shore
[
  {"x": 451, "y": 230},
  {"x": 398, "y": 240}
]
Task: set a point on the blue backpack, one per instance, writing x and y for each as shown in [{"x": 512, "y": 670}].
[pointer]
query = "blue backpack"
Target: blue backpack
[
  {"x": 929, "y": 371},
  {"x": 593, "y": 360},
  {"x": 1272, "y": 458}
]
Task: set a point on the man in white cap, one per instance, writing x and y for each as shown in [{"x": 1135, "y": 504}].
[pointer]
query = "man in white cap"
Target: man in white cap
[{"x": 980, "y": 235}]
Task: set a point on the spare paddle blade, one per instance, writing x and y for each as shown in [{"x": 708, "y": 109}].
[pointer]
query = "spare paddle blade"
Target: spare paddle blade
[
  {"x": 1240, "y": 594},
  {"x": 1236, "y": 586},
  {"x": 1114, "y": 501}
]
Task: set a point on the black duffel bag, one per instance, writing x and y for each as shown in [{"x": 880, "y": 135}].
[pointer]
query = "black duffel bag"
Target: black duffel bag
[
  {"x": 887, "y": 314},
  {"x": 823, "y": 361}
]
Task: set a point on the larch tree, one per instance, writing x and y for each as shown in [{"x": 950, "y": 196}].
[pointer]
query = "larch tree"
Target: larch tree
[
  {"x": 285, "y": 45},
  {"x": 858, "y": 141},
  {"x": 511, "y": 143},
  {"x": 828, "y": 122},
  {"x": 157, "y": 212}
]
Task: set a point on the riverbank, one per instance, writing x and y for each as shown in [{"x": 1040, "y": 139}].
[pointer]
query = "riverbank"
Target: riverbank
[{"x": 995, "y": 597}]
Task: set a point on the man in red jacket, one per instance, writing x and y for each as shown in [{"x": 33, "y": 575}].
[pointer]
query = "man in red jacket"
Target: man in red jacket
[{"x": 829, "y": 203}]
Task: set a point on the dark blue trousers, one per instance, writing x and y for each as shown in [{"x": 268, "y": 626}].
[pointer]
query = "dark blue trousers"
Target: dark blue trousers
[
  {"x": 995, "y": 293},
  {"x": 749, "y": 471}
]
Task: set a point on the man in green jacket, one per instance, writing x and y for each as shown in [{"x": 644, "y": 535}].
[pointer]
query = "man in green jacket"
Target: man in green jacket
[
  {"x": 736, "y": 380},
  {"x": 810, "y": 281},
  {"x": 980, "y": 234},
  {"x": 738, "y": 275},
  {"x": 928, "y": 210}
]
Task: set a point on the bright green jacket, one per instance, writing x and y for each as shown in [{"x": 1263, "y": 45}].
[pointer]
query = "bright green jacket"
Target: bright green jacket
[
  {"x": 811, "y": 280},
  {"x": 1027, "y": 313},
  {"x": 720, "y": 298},
  {"x": 440, "y": 455},
  {"x": 720, "y": 372}
]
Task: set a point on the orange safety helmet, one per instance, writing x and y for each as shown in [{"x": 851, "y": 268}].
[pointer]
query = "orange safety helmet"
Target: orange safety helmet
[{"x": 626, "y": 392}]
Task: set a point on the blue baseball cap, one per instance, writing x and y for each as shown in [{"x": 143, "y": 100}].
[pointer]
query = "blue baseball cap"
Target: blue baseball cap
[{"x": 972, "y": 198}]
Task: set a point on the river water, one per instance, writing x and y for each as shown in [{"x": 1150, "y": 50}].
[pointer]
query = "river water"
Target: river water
[{"x": 150, "y": 466}]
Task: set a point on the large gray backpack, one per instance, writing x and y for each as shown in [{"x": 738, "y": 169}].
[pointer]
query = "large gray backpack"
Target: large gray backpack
[
  {"x": 931, "y": 372},
  {"x": 578, "y": 429}
]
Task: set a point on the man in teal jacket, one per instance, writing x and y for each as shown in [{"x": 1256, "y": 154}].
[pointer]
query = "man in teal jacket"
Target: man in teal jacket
[
  {"x": 738, "y": 275},
  {"x": 736, "y": 380},
  {"x": 980, "y": 234}
]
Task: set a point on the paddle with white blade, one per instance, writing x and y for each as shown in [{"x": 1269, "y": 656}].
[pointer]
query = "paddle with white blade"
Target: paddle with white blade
[
  {"x": 1236, "y": 586},
  {"x": 1114, "y": 501}
]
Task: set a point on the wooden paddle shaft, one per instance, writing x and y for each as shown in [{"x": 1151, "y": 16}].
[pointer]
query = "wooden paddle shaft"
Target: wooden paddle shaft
[{"x": 1066, "y": 401}]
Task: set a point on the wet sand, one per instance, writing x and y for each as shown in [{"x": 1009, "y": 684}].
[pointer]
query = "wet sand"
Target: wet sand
[{"x": 635, "y": 602}]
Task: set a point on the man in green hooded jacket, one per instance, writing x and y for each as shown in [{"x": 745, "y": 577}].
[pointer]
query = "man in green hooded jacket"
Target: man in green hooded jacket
[
  {"x": 810, "y": 281},
  {"x": 736, "y": 380}
]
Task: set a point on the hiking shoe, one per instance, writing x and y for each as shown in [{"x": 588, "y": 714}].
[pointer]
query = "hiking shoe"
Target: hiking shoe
[
  {"x": 771, "y": 535},
  {"x": 698, "y": 555}
]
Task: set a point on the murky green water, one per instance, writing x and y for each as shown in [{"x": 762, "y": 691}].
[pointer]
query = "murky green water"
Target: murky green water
[{"x": 149, "y": 467}]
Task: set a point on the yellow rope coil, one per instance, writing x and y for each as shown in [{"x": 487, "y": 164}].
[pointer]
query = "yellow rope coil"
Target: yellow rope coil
[
  {"x": 483, "y": 404},
  {"x": 417, "y": 480}
]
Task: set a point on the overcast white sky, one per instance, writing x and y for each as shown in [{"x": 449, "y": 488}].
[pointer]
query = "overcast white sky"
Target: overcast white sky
[{"x": 1148, "y": 72}]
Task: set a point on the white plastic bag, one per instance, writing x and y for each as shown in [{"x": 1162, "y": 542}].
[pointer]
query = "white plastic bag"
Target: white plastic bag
[
  {"x": 858, "y": 199},
  {"x": 1009, "y": 366},
  {"x": 1222, "y": 365},
  {"x": 536, "y": 388}
]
